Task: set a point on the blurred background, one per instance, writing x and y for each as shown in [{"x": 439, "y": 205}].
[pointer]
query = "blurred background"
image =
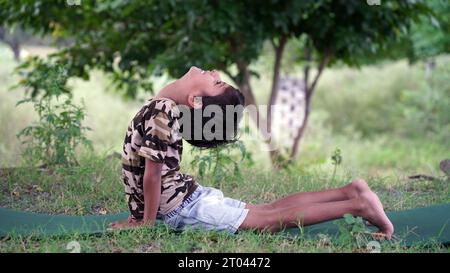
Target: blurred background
[{"x": 377, "y": 74}]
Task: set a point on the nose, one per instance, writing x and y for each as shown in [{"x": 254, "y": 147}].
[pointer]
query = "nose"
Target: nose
[{"x": 215, "y": 74}]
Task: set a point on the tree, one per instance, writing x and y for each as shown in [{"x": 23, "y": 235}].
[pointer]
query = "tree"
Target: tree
[{"x": 132, "y": 40}]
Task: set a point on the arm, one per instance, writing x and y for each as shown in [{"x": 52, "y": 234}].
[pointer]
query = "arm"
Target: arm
[{"x": 152, "y": 190}]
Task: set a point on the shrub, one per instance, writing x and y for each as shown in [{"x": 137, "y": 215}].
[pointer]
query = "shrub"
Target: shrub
[{"x": 53, "y": 139}]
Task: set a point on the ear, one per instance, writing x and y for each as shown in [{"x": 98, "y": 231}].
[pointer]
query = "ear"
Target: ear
[{"x": 195, "y": 101}]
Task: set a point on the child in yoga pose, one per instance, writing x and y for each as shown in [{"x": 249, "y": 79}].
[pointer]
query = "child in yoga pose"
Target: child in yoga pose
[{"x": 155, "y": 187}]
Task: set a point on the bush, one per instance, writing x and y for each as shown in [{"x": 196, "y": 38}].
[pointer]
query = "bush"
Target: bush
[
  {"x": 222, "y": 163},
  {"x": 54, "y": 138},
  {"x": 426, "y": 111},
  {"x": 393, "y": 99}
]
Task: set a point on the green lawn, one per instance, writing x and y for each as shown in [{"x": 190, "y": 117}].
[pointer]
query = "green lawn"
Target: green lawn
[{"x": 366, "y": 113}]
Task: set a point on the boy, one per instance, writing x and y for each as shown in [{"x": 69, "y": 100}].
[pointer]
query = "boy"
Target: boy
[{"x": 155, "y": 188}]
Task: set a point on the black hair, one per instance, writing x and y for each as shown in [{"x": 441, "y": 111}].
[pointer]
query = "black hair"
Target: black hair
[{"x": 215, "y": 110}]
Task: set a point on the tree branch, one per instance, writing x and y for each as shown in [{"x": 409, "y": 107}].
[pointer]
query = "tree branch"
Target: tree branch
[
  {"x": 279, "y": 49},
  {"x": 274, "y": 45},
  {"x": 308, "y": 94},
  {"x": 323, "y": 64},
  {"x": 13, "y": 43},
  {"x": 307, "y": 66}
]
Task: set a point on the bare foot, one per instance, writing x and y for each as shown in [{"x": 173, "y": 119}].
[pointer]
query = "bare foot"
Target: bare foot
[
  {"x": 356, "y": 188},
  {"x": 373, "y": 211}
]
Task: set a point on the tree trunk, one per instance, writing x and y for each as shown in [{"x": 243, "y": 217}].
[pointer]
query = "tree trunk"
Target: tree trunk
[
  {"x": 279, "y": 50},
  {"x": 13, "y": 43},
  {"x": 309, "y": 90},
  {"x": 244, "y": 85},
  {"x": 242, "y": 80},
  {"x": 301, "y": 131},
  {"x": 246, "y": 89},
  {"x": 430, "y": 65},
  {"x": 15, "y": 46}
]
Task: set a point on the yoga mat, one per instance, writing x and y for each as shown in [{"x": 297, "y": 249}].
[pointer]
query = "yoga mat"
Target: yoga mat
[{"x": 416, "y": 226}]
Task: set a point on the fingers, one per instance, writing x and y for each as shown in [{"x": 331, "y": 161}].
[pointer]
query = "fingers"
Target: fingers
[
  {"x": 379, "y": 236},
  {"x": 112, "y": 226},
  {"x": 128, "y": 223}
]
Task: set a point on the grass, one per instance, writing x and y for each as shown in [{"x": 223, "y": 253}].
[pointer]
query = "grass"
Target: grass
[
  {"x": 349, "y": 112},
  {"x": 95, "y": 186},
  {"x": 155, "y": 240}
]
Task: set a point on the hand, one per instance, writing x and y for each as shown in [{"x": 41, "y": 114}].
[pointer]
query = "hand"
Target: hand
[{"x": 125, "y": 224}]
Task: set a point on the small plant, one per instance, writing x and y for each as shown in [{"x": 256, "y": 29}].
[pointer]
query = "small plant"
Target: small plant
[
  {"x": 353, "y": 232},
  {"x": 53, "y": 139},
  {"x": 283, "y": 161},
  {"x": 336, "y": 159},
  {"x": 221, "y": 162}
]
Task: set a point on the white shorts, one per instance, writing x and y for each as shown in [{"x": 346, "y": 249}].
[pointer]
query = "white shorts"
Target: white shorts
[{"x": 208, "y": 209}]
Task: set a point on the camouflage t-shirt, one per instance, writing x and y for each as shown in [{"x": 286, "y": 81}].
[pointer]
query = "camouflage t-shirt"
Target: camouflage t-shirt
[{"x": 154, "y": 134}]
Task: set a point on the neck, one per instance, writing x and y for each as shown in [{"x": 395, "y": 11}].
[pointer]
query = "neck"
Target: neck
[{"x": 175, "y": 91}]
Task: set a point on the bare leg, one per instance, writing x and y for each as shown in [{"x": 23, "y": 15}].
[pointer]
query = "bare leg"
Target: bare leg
[
  {"x": 352, "y": 190},
  {"x": 367, "y": 205}
]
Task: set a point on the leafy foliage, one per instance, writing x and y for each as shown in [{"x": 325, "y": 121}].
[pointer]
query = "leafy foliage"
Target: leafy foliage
[
  {"x": 222, "y": 162},
  {"x": 353, "y": 232},
  {"x": 132, "y": 40},
  {"x": 46, "y": 79},
  {"x": 54, "y": 138},
  {"x": 429, "y": 36}
]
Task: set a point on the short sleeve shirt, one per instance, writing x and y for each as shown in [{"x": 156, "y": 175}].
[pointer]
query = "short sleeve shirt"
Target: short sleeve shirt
[{"x": 154, "y": 134}]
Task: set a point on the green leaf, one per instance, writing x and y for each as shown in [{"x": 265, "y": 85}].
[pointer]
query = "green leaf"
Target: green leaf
[{"x": 349, "y": 219}]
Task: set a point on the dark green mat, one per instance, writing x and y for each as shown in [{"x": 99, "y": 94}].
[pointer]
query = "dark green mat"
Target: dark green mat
[
  {"x": 416, "y": 226},
  {"x": 412, "y": 227}
]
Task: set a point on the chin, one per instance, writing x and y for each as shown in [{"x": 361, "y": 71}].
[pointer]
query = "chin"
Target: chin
[{"x": 194, "y": 68}]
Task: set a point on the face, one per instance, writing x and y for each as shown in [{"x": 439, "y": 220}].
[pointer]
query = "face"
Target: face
[{"x": 204, "y": 82}]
